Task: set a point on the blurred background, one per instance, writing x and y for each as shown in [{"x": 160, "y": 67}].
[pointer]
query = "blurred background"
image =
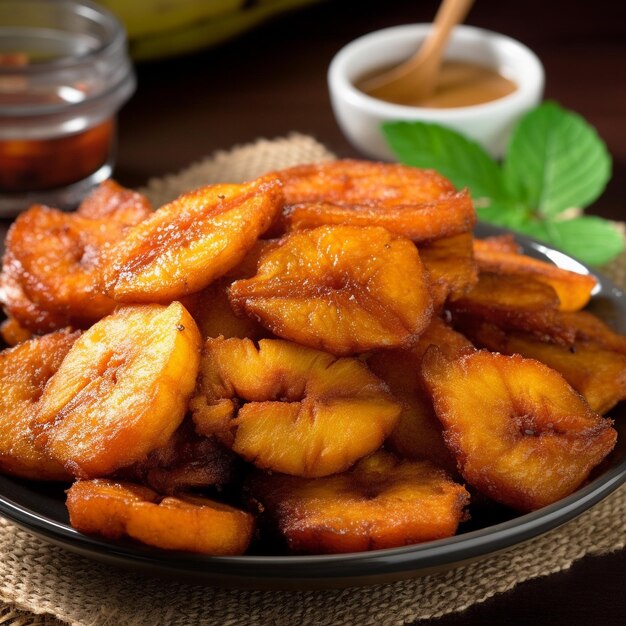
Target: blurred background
[{"x": 207, "y": 83}]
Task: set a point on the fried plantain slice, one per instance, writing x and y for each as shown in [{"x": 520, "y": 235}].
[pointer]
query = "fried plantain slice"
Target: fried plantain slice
[
  {"x": 214, "y": 315},
  {"x": 342, "y": 289},
  {"x": 111, "y": 201},
  {"x": 418, "y": 434},
  {"x": 589, "y": 327},
  {"x": 450, "y": 265},
  {"x": 498, "y": 243},
  {"x": 51, "y": 268},
  {"x": 190, "y": 523},
  {"x": 190, "y": 242},
  {"x": 211, "y": 307},
  {"x": 290, "y": 408},
  {"x": 381, "y": 502},
  {"x": 24, "y": 371},
  {"x": 355, "y": 181},
  {"x": 121, "y": 391},
  {"x": 446, "y": 216},
  {"x": 30, "y": 316},
  {"x": 515, "y": 302},
  {"x": 597, "y": 373},
  {"x": 521, "y": 435},
  {"x": 186, "y": 461},
  {"x": 13, "y": 333},
  {"x": 416, "y": 203},
  {"x": 574, "y": 289}
]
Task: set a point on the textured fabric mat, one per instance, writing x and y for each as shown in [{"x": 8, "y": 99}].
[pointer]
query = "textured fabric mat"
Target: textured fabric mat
[{"x": 41, "y": 584}]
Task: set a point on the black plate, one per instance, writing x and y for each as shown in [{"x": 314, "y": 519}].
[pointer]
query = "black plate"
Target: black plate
[{"x": 39, "y": 508}]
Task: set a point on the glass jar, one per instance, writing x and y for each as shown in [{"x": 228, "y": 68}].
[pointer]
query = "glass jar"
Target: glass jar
[{"x": 64, "y": 74}]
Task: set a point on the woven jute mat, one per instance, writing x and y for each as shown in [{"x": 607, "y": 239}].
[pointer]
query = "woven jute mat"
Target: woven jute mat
[{"x": 43, "y": 585}]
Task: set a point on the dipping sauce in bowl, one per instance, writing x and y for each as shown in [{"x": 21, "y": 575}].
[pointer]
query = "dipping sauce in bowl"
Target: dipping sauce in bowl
[
  {"x": 489, "y": 82},
  {"x": 460, "y": 84}
]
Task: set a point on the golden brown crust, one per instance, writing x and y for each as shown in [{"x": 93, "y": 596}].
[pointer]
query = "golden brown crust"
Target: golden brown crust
[
  {"x": 342, "y": 289},
  {"x": 289, "y": 408},
  {"x": 13, "y": 333},
  {"x": 573, "y": 289},
  {"x": 51, "y": 268},
  {"x": 417, "y": 203},
  {"x": 597, "y": 372},
  {"x": 515, "y": 302},
  {"x": 444, "y": 217},
  {"x": 187, "y": 461},
  {"x": 121, "y": 391},
  {"x": 381, "y": 503},
  {"x": 24, "y": 372},
  {"x": 190, "y": 242},
  {"x": 451, "y": 268},
  {"x": 353, "y": 182},
  {"x": 418, "y": 434},
  {"x": 189, "y": 523},
  {"x": 521, "y": 435}
]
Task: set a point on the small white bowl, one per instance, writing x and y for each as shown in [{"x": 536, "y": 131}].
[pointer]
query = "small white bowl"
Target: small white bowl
[{"x": 360, "y": 116}]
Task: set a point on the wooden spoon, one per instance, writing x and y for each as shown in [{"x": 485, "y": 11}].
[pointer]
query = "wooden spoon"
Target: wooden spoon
[{"x": 416, "y": 78}]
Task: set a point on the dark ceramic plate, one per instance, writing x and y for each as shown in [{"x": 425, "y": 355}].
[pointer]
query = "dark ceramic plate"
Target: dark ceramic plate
[{"x": 39, "y": 508}]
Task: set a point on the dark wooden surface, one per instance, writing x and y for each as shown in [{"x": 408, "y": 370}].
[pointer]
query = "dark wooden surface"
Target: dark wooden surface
[{"x": 273, "y": 81}]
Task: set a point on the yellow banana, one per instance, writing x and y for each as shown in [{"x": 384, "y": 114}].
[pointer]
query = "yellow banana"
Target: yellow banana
[
  {"x": 209, "y": 31},
  {"x": 148, "y": 17}
]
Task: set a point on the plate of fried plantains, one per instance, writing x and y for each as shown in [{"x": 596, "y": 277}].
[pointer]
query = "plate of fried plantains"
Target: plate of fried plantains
[{"x": 328, "y": 376}]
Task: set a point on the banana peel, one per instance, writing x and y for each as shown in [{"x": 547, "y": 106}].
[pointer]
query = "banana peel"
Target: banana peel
[
  {"x": 162, "y": 28},
  {"x": 143, "y": 18}
]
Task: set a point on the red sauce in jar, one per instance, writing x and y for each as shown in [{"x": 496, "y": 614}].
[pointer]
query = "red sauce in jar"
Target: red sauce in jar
[{"x": 36, "y": 164}]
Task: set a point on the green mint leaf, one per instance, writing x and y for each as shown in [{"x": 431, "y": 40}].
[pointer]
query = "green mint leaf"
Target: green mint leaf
[
  {"x": 555, "y": 161},
  {"x": 454, "y": 156},
  {"x": 506, "y": 214},
  {"x": 591, "y": 239}
]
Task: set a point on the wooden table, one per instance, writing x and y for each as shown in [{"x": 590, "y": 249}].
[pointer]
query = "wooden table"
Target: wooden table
[{"x": 273, "y": 81}]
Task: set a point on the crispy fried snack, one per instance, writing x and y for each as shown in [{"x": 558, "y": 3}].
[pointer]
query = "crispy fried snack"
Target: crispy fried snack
[
  {"x": 211, "y": 307},
  {"x": 121, "y": 391},
  {"x": 306, "y": 413},
  {"x": 574, "y": 289},
  {"x": 515, "y": 302},
  {"x": 588, "y": 327},
  {"x": 347, "y": 432},
  {"x": 498, "y": 243},
  {"x": 51, "y": 268},
  {"x": 189, "y": 523},
  {"x": 596, "y": 372},
  {"x": 24, "y": 371},
  {"x": 215, "y": 317},
  {"x": 447, "y": 216},
  {"x": 380, "y": 503},
  {"x": 450, "y": 265},
  {"x": 110, "y": 201},
  {"x": 342, "y": 289},
  {"x": 186, "y": 461},
  {"x": 191, "y": 241},
  {"x": 418, "y": 434},
  {"x": 13, "y": 333},
  {"x": 30, "y": 316},
  {"x": 416, "y": 203},
  {"x": 355, "y": 182},
  {"x": 521, "y": 435}
]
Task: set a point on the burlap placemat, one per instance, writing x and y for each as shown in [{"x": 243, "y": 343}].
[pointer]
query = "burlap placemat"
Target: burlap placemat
[{"x": 41, "y": 584}]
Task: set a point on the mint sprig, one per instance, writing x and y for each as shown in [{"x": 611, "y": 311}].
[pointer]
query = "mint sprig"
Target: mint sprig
[{"x": 556, "y": 165}]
